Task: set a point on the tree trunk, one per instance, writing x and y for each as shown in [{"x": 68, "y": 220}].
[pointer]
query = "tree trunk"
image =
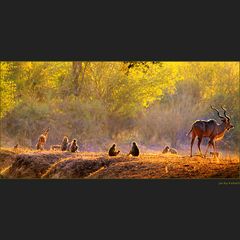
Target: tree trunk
[
  {"x": 78, "y": 74},
  {"x": 76, "y": 70}
]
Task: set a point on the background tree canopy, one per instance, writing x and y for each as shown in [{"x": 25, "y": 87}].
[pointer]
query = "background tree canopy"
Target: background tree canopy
[{"x": 101, "y": 102}]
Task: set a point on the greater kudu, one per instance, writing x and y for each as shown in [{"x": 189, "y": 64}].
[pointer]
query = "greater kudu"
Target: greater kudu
[{"x": 211, "y": 129}]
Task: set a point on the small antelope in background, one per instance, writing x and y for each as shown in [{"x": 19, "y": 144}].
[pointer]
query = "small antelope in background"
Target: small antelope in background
[{"x": 211, "y": 129}]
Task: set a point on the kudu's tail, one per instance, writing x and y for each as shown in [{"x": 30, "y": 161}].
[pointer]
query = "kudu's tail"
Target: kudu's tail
[{"x": 189, "y": 132}]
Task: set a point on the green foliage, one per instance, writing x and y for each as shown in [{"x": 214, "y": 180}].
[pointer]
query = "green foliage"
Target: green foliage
[
  {"x": 96, "y": 101},
  {"x": 7, "y": 90}
]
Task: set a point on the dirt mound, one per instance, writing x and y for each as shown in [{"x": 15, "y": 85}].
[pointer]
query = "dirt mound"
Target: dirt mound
[
  {"x": 58, "y": 165},
  {"x": 66, "y": 165},
  {"x": 79, "y": 167},
  {"x": 32, "y": 165},
  {"x": 7, "y": 157},
  {"x": 151, "y": 166}
]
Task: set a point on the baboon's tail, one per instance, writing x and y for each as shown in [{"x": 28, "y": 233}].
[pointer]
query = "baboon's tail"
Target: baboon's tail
[{"x": 189, "y": 132}]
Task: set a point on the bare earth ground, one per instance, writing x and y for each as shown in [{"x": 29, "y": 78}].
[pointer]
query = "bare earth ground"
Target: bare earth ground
[{"x": 23, "y": 163}]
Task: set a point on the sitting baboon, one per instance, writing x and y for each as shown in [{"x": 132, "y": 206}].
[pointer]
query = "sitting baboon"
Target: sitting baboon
[
  {"x": 173, "y": 150},
  {"x": 55, "y": 147},
  {"x": 112, "y": 151},
  {"x": 73, "y": 147},
  {"x": 65, "y": 143},
  {"x": 134, "y": 150},
  {"x": 42, "y": 140},
  {"x": 166, "y": 149}
]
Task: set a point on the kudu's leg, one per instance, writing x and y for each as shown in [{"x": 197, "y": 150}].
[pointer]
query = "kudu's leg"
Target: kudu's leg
[
  {"x": 214, "y": 148},
  {"x": 193, "y": 138},
  {"x": 209, "y": 144},
  {"x": 199, "y": 143}
]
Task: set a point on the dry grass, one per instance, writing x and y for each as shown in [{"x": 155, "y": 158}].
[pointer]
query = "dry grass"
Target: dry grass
[
  {"x": 150, "y": 166},
  {"x": 25, "y": 163}
]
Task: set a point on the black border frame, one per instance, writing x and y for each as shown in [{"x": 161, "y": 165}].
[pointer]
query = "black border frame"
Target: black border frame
[{"x": 170, "y": 31}]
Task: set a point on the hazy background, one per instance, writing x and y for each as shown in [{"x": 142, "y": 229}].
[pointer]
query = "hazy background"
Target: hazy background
[{"x": 152, "y": 103}]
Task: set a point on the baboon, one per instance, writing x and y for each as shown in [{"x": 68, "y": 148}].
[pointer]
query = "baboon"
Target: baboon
[
  {"x": 215, "y": 154},
  {"x": 73, "y": 146},
  {"x": 55, "y": 147},
  {"x": 166, "y": 149},
  {"x": 134, "y": 150},
  {"x": 65, "y": 143},
  {"x": 42, "y": 140},
  {"x": 112, "y": 151},
  {"x": 16, "y": 146},
  {"x": 173, "y": 150}
]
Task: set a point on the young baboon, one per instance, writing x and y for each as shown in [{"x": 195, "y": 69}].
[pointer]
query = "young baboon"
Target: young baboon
[
  {"x": 73, "y": 146},
  {"x": 166, "y": 149},
  {"x": 112, "y": 151},
  {"x": 65, "y": 143},
  {"x": 134, "y": 150},
  {"x": 16, "y": 146},
  {"x": 173, "y": 150},
  {"x": 215, "y": 154},
  {"x": 55, "y": 147},
  {"x": 42, "y": 140}
]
